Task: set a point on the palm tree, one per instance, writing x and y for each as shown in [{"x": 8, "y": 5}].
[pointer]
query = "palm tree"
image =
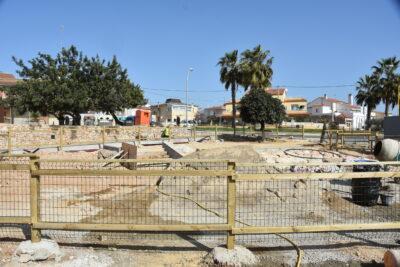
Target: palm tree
[
  {"x": 256, "y": 68},
  {"x": 230, "y": 76},
  {"x": 366, "y": 94},
  {"x": 387, "y": 89}
]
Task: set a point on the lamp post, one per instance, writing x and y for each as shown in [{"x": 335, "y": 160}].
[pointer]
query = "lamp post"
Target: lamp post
[{"x": 187, "y": 85}]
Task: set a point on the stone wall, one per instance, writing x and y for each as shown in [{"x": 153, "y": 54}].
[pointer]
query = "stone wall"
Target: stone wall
[{"x": 25, "y": 136}]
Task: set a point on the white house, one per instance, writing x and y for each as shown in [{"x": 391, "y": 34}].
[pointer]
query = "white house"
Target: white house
[{"x": 353, "y": 115}]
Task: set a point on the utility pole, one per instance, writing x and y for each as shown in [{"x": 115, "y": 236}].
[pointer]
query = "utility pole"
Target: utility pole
[{"x": 187, "y": 85}]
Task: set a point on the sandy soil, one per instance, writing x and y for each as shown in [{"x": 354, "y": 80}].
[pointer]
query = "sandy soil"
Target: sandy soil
[{"x": 136, "y": 200}]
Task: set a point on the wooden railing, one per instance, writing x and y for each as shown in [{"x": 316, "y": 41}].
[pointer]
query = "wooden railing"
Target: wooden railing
[{"x": 234, "y": 181}]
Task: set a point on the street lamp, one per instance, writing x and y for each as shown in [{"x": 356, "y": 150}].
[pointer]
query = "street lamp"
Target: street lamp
[{"x": 187, "y": 85}]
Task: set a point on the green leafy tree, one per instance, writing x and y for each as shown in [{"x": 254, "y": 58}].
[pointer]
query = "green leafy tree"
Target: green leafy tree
[
  {"x": 257, "y": 106},
  {"x": 388, "y": 82},
  {"x": 71, "y": 84},
  {"x": 110, "y": 88},
  {"x": 230, "y": 76},
  {"x": 52, "y": 85},
  {"x": 256, "y": 68},
  {"x": 367, "y": 95}
]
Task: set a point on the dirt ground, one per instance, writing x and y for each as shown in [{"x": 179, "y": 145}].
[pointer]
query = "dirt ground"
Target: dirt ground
[{"x": 136, "y": 200}]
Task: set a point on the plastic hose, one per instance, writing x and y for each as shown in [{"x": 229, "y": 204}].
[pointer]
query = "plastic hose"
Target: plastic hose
[{"x": 202, "y": 206}]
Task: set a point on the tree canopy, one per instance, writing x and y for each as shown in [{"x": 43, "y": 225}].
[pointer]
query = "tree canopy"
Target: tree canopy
[
  {"x": 366, "y": 94},
  {"x": 70, "y": 84},
  {"x": 387, "y": 81},
  {"x": 252, "y": 69},
  {"x": 257, "y": 106}
]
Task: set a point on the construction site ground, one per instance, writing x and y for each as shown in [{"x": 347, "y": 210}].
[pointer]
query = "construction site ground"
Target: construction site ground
[{"x": 133, "y": 249}]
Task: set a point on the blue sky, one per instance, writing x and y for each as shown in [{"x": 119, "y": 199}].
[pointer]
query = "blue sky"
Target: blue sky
[{"x": 314, "y": 43}]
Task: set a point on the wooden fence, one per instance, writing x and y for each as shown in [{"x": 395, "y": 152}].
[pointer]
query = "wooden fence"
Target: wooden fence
[
  {"x": 366, "y": 140},
  {"x": 245, "y": 198}
]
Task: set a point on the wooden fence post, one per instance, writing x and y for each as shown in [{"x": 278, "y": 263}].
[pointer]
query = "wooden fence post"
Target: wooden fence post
[
  {"x": 342, "y": 141},
  {"x": 35, "y": 199},
  {"x": 194, "y": 132},
  {"x": 61, "y": 137},
  {"x": 302, "y": 132},
  {"x": 277, "y": 131},
  {"x": 139, "y": 135},
  {"x": 230, "y": 241},
  {"x": 337, "y": 140},
  {"x": 216, "y": 133},
  {"x": 330, "y": 139},
  {"x": 9, "y": 141}
]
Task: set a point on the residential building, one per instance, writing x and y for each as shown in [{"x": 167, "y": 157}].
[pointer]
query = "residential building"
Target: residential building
[
  {"x": 296, "y": 107},
  {"x": 6, "y": 80},
  {"x": 173, "y": 110},
  {"x": 213, "y": 114},
  {"x": 337, "y": 110}
]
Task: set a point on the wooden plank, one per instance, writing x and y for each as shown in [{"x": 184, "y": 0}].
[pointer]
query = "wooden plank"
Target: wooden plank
[
  {"x": 138, "y": 160},
  {"x": 230, "y": 242},
  {"x": 131, "y": 227},
  {"x": 14, "y": 220},
  {"x": 26, "y": 155},
  {"x": 317, "y": 164},
  {"x": 88, "y": 172},
  {"x": 15, "y": 167},
  {"x": 315, "y": 228},
  {"x": 337, "y": 175}
]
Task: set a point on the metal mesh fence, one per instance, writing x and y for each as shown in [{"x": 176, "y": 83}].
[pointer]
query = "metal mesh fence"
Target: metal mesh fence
[
  {"x": 14, "y": 194},
  {"x": 198, "y": 199},
  {"x": 307, "y": 202},
  {"x": 150, "y": 200}
]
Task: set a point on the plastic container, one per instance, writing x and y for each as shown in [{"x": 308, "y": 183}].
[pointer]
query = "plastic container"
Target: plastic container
[
  {"x": 365, "y": 191},
  {"x": 387, "y": 199}
]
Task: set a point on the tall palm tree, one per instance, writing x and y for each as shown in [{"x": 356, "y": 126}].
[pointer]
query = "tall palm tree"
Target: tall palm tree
[
  {"x": 387, "y": 90},
  {"x": 230, "y": 76},
  {"x": 256, "y": 68},
  {"x": 366, "y": 94}
]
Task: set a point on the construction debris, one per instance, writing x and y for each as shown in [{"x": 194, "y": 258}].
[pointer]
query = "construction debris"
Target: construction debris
[{"x": 39, "y": 251}]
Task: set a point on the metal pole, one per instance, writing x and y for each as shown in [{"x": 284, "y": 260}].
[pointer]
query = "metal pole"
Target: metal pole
[{"x": 186, "y": 90}]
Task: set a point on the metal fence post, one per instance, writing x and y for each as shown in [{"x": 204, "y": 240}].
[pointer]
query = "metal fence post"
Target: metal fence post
[
  {"x": 9, "y": 141},
  {"x": 103, "y": 135},
  {"x": 35, "y": 199},
  {"x": 230, "y": 241}
]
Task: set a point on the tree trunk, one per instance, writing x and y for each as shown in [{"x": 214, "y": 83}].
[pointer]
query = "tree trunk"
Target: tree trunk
[
  {"x": 61, "y": 120},
  {"x": 262, "y": 131},
  {"x": 76, "y": 119},
  {"x": 387, "y": 104},
  {"x": 117, "y": 121},
  {"x": 322, "y": 138},
  {"x": 234, "y": 108},
  {"x": 368, "y": 121}
]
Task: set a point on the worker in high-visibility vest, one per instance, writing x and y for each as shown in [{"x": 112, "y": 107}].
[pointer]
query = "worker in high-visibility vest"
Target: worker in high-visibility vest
[{"x": 165, "y": 132}]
